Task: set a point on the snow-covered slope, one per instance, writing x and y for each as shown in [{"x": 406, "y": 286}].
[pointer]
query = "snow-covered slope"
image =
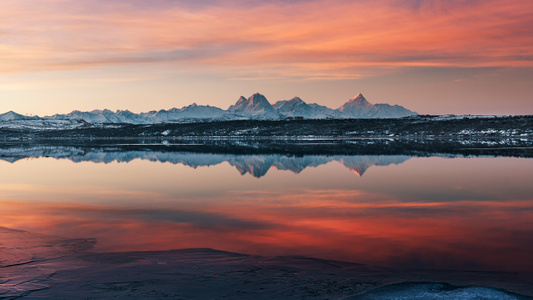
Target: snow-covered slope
[
  {"x": 11, "y": 116},
  {"x": 187, "y": 113},
  {"x": 95, "y": 116},
  {"x": 296, "y": 107},
  {"x": 200, "y": 112},
  {"x": 359, "y": 107},
  {"x": 293, "y": 107},
  {"x": 126, "y": 116},
  {"x": 321, "y": 111},
  {"x": 254, "y": 107},
  {"x": 383, "y": 110},
  {"x": 42, "y": 124}
]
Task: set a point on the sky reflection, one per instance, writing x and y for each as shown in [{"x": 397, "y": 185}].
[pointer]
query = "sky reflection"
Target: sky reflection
[{"x": 462, "y": 213}]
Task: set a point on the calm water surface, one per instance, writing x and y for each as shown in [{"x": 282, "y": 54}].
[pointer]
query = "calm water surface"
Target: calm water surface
[{"x": 395, "y": 211}]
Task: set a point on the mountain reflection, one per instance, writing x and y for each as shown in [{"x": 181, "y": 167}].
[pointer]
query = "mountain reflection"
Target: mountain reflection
[
  {"x": 255, "y": 165},
  {"x": 430, "y": 213}
]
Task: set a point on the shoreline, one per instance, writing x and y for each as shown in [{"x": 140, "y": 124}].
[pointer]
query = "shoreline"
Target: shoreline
[{"x": 291, "y": 147}]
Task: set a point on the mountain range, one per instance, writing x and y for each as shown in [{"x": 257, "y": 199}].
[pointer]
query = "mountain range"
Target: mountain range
[{"x": 255, "y": 107}]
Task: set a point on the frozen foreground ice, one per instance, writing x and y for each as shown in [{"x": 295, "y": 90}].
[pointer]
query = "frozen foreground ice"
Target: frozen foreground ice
[{"x": 34, "y": 266}]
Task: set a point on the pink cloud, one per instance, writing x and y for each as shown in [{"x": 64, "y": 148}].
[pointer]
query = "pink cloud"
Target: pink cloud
[{"x": 321, "y": 39}]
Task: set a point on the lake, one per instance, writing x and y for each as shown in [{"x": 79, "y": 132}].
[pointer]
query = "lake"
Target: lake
[{"x": 447, "y": 212}]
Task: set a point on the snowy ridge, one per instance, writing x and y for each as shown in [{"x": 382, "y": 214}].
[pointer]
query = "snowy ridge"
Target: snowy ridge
[
  {"x": 296, "y": 107},
  {"x": 12, "y": 116},
  {"x": 255, "y": 165},
  {"x": 359, "y": 107},
  {"x": 255, "y": 107},
  {"x": 43, "y": 124}
]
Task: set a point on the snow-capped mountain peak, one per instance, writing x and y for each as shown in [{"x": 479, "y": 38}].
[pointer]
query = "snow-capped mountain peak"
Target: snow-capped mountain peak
[
  {"x": 359, "y": 98},
  {"x": 255, "y": 105},
  {"x": 357, "y": 101},
  {"x": 240, "y": 101},
  {"x": 359, "y": 107},
  {"x": 295, "y": 107},
  {"x": 258, "y": 102}
]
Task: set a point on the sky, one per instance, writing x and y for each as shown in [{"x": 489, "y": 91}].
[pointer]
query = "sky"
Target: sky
[{"x": 432, "y": 56}]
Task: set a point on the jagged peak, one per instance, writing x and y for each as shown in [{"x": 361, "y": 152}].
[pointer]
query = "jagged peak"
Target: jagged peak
[
  {"x": 255, "y": 102},
  {"x": 359, "y": 98},
  {"x": 241, "y": 100},
  {"x": 257, "y": 97},
  {"x": 355, "y": 104}
]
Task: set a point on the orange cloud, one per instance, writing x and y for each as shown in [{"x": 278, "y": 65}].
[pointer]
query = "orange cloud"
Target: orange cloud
[{"x": 312, "y": 39}]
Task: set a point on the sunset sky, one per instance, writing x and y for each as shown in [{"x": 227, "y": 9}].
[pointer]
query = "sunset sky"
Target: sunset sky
[{"x": 433, "y": 56}]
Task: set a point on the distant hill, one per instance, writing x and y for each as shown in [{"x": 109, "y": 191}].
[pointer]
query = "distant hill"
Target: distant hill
[{"x": 11, "y": 116}]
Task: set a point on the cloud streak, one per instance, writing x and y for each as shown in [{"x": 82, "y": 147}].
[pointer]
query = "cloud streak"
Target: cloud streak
[{"x": 321, "y": 39}]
